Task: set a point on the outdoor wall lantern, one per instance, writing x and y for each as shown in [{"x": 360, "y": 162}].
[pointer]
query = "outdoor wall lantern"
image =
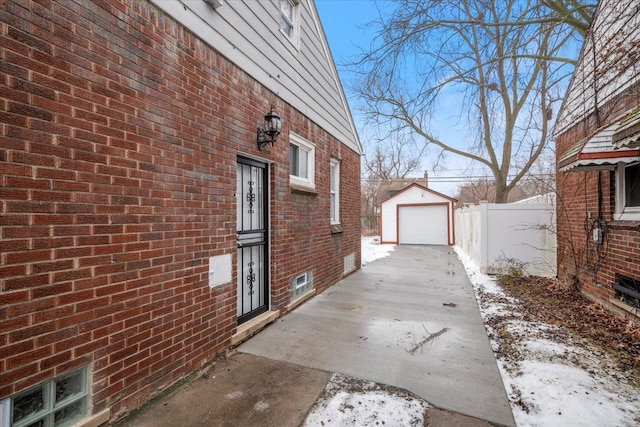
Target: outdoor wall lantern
[{"x": 271, "y": 130}]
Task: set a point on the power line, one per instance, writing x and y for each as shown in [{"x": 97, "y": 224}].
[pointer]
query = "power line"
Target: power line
[{"x": 454, "y": 178}]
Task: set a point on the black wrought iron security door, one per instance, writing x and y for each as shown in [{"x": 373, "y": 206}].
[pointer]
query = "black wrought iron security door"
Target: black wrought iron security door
[{"x": 253, "y": 283}]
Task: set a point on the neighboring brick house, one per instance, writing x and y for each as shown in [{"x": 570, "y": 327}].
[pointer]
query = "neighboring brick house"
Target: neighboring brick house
[
  {"x": 484, "y": 190},
  {"x": 597, "y": 136},
  {"x": 391, "y": 187},
  {"x": 143, "y": 231}
]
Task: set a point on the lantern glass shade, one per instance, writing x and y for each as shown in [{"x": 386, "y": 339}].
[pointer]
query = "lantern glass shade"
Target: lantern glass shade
[
  {"x": 271, "y": 130},
  {"x": 272, "y": 123}
]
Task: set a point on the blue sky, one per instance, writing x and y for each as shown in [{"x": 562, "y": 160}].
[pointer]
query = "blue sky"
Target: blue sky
[{"x": 344, "y": 23}]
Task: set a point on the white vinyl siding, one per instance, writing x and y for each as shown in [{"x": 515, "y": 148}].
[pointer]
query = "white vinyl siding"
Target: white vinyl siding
[{"x": 249, "y": 35}]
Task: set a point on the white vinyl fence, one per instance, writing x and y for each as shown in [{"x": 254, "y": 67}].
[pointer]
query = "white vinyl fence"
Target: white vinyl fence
[{"x": 499, "y": 237}]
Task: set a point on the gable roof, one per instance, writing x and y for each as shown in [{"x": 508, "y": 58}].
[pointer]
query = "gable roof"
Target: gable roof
[
  {"x": 607, "y": 64},
  {"x": 423, "y": 188},
  {"x": 303, "y": 73},
  {"x": 390, "y": 187}
]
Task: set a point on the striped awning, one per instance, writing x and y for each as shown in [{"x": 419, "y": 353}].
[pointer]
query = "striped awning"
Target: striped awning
[
  {"x": 598, "y": 152},
  {"x": 628, "y": 133}
]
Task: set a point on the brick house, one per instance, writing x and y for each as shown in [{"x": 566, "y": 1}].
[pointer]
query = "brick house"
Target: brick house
[
  {"x": 143, "y": 228},
  {"x": 597, "y": 137}
]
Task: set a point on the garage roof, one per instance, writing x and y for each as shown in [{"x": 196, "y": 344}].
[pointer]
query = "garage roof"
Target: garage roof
[{"x": 422, "y": 187}]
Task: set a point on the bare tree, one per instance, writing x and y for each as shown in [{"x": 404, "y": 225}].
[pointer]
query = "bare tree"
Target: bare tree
[
  {"x": 541, "y": 177},
  {"x": 477, "y": 190},
  {"x": 576, "y": 13},
  {"x": 369, "y": 191},
  {"x": 499, "y": 60},
  {"x": 398, "y": 158}
]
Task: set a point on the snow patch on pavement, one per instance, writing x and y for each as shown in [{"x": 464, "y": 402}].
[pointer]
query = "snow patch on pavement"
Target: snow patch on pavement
[
  {"x": 551, "y": 377},
  {"x": 372, "y": 250},
  {"x": 351, "y": 402}
]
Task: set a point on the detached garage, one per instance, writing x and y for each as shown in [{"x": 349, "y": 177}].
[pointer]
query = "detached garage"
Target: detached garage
[{"x": 417, "y": 216}]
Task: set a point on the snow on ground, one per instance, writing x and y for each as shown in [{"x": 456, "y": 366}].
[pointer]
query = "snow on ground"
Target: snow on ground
[
  {"x": 349, "y": 402},
  {"x": 373, "y": 250},
  {"x": 552, "y": 378},
  {"x": 551, "y": 383}
]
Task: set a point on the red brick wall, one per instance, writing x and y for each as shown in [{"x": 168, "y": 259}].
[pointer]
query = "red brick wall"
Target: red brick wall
[
  {"x": 302, "y": 239},
  {"x": 578, "y": 207},
  {"x": 119, "y": 138}
]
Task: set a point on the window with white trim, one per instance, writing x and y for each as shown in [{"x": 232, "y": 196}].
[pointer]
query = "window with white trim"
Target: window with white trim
[
  {"x": 58, "y": 402},
  {"x": 302, "y": 157},
  {"x": 289, "y": 19},
  {"x": 334, "y": 191},
  {"x": 301, "y": 280},
  {"x": 301, "y": 284},
  {"x": 628, "y": 191}
]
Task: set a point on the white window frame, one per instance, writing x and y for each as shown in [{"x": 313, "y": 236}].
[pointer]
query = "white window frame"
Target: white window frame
[
  {"x": 292, "y": 20},
  {"x": 305, "y": 280},
  {"x": 334, "y": 191},
  {"x": 5, "y": 412},
  {"x": 310, "y": 148},
  {"x": 623, "y": 212},
  {"x": 301, "y": 285}
]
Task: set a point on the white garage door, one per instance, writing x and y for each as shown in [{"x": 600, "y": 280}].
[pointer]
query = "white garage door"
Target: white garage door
[{"x": 423, "y": 225}]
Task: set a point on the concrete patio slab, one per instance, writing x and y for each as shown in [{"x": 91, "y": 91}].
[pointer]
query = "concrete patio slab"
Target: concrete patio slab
[
  {"x": 409, "y": 320},
  {"x": 242, "y": 390}
]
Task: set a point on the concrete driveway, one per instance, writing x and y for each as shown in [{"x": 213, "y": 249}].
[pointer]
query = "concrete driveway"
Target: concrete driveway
[{"x": 409, "y": 320}]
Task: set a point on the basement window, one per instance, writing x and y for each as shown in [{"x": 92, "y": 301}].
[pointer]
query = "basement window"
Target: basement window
[
  {"x": 301, "y": 284},
  {"x": 349, "y": 263},
  {"x": 58, "y": 402},
  {"x": 302, "y": 280},
  {"x": 627, "y": 290}
]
